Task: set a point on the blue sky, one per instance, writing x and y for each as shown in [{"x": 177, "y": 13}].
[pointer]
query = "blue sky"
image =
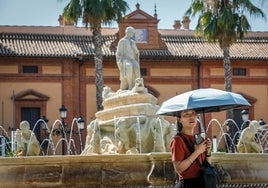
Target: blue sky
[{"x": 46, "y": 12}]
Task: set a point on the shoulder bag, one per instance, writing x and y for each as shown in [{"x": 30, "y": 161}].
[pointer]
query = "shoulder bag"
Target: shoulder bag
[{"x": 207, "y": 170}]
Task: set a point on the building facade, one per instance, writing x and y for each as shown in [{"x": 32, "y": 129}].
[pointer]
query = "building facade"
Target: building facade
[{"x": 43, "y": 68}]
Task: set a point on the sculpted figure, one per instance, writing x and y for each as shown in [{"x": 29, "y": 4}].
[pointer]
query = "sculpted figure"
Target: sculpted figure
[
  {"x": 90, "y": 131},
  {"x": 107, "y": 92},
  {"x": 147, "y": 136},
  {"x": 169, "y": 132},
  {"x": 107, "y": 146},
  {"x": 127, "y": 59},
  {"x": 92, "y": 144},
  {"x": 126, "y": 133},
  {"x": 261, "y": 136},
  {"x": 27, "y": 143},
  {"x": 247, "y": 142},
  {"x": 139, "y": 86},
  {"x": 122, "y": 132},
  {"x": 163, "y": 132}
]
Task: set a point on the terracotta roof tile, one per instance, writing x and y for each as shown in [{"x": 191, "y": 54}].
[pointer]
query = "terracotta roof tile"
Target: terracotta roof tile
[
  {"x": 66, "y": 30},
  {"x": 21, "y": 44},
  {"x": 64, "y": 42}
]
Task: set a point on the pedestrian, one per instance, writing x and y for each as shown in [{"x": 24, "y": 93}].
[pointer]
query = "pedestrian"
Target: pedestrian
[{"x": 186, "y": 162}]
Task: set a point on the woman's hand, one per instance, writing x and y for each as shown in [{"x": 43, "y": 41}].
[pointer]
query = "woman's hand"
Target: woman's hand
[
  {"x": 201, "y": 148},
  {"x": 209, "y": 144}
]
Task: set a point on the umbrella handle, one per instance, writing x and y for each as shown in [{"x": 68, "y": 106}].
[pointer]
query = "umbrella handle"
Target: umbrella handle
[
  {"x": 198, "y": 139},
  {"x": 201, "y": 126}
]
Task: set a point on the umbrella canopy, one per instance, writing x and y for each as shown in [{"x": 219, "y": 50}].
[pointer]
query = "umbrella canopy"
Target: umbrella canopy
[{"x": 202, "y": 100}]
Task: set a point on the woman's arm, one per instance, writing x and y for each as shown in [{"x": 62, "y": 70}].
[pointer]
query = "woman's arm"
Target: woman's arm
[{"x": 181, "y": 166}]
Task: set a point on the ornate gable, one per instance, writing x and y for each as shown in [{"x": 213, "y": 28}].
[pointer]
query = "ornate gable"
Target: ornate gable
[
  {"x": 139, "y": 14},
  {"x": 146, "y": 28},
  {"x": 30, "y": 94}
]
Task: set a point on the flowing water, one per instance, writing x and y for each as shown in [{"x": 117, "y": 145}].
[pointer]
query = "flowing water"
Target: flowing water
[{"x": 57, "y": 137}]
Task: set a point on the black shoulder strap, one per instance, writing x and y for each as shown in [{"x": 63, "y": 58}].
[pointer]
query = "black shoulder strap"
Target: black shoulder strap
[{"x": 191, "y": 149}]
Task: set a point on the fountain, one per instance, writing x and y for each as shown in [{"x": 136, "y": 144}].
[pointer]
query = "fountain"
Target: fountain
[
  {"x": 127, "y": 145},
  {"x": 128, "y": 125},
  {"x": 112, "y": 169}
]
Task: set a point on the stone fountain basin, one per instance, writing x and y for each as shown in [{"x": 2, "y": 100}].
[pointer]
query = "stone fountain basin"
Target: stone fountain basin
[
  {"x": 243, "y": 168},
  {"x": 127, "y": 110},
  {"x": 84, "y": 171},
  {"x": 122, "y": 170}
]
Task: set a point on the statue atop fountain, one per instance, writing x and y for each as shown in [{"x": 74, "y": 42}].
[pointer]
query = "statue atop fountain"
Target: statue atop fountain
[
  {"x": 128, "y": 123},
  {"x": 247, "y": 141},
  {"x": 27, "y": 143},
  {"x": 127, "y": 59}
]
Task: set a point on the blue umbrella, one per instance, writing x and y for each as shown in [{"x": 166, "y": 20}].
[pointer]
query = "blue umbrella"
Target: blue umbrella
[{"x": 202, "y": 100}]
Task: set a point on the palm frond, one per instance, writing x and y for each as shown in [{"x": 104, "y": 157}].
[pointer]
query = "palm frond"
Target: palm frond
[{"x": 73, "y": 11}]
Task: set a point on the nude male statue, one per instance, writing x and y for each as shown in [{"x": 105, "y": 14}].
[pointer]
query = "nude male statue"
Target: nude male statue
[
  {"x": 27, "y": 143},
  {"x": 127, "y": 58}
]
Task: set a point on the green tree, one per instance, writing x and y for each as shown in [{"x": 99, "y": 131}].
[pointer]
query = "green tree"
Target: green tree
[
  {"x": 225, "y": 22},
  {"x": 94, "y": 14}
]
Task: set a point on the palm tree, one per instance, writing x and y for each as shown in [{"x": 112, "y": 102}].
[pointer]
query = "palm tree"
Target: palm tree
[
  {"x": 224, "y": 21},
  {"x": 94, "y": 14}
]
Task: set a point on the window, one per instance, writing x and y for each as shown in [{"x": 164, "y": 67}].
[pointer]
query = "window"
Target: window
[
  {"x": 143, "y": 72},
  {"x": 140, "y": 35},
  {"x": 29, "y": 69},
  {"x": 239, "y": 72}
]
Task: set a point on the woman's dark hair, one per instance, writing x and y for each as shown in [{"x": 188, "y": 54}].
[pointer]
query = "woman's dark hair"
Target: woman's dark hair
[{"x": 179, "y": 127}]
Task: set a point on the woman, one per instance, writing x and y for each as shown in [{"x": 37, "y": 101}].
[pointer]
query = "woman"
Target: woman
[{"x": 186, "y": 163}]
